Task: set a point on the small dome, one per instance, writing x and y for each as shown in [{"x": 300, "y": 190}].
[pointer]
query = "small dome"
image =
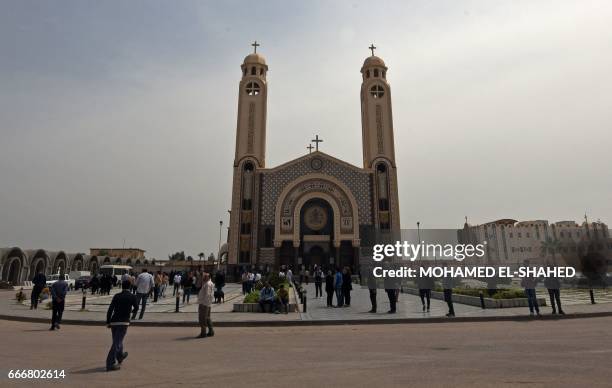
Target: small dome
[
  {"x": 374, "y": 61},
  {"x": 255, "y": 58}
]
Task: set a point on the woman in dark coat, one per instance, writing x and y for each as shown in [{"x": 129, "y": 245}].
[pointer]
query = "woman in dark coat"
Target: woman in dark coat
[
  {"x": 329, "y": 288},
  {"x": 347, "y": 286}
]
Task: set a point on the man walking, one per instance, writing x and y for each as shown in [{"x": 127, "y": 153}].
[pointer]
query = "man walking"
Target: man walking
[
  {"x": 118, "y": 320},
  {"x": 205, "y": 299},
  {"x": 39, "y": 283},
  {"x": 144, "y": 284},
  {"x": 59, "y": 289}
]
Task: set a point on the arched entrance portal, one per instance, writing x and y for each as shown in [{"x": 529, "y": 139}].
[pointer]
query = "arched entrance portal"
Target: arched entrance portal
[{"x": 316, "y": 233}]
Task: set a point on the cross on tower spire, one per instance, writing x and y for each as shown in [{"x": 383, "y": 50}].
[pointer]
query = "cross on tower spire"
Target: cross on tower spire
[
  {"x": 316, "y": 140},
  {"x": 255, "y": 44},
  {"x": 310, "y": 147},
  {"x": 372, "y": 48}
]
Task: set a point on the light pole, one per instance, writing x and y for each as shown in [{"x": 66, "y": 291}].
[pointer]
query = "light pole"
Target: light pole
[
  {"x": 419, "y": 237},
  {"x": 219, "y": 250}
]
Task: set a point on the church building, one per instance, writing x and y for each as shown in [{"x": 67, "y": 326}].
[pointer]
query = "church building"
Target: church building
[{"x": 315, "y": 209}]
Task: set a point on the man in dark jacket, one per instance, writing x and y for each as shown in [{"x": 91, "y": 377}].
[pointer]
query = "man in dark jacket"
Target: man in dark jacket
[
  {"x": 329, "y": 288},
  {"x": 118, "y": 320},
  {"x": 59, "y": 289},
  {"x": 39, "y": 283}
]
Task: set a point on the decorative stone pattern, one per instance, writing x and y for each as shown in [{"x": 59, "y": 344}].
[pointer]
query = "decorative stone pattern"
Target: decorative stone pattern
[{"x": 274, "y": 181}]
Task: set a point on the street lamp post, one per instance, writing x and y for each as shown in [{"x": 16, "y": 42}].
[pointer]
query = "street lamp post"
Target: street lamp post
[
  {"x": 419, "y": 237},
  {"x": 219, "y": 250}
]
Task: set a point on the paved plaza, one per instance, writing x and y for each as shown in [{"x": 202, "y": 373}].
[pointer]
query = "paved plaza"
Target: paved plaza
[
  {"x": 504, "y": 354},
  {"x": 409, "y": 308}
]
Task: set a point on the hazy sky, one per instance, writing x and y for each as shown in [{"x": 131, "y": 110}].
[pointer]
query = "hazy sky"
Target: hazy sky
[{"x": 117, "y": 118}]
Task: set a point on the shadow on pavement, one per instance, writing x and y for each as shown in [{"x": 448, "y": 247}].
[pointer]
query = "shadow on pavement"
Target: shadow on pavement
[{"x": 90, "y": 371}]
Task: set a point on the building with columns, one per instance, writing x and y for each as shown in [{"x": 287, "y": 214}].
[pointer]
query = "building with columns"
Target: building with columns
[{"x": 315, "y": 209}]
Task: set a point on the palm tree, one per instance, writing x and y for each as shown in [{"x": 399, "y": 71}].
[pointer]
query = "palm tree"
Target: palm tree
[
  {"x": 551, "y": 246},
  {"x": 201, "y": 255}
]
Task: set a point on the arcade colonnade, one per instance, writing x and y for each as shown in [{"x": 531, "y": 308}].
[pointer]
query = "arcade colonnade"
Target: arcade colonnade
[{"x": 18, "y": 265}]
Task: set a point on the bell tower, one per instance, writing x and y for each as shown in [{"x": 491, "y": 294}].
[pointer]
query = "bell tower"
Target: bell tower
[
  {"x": 249, "y": 157},
  {"x": 378, "y": 143}
]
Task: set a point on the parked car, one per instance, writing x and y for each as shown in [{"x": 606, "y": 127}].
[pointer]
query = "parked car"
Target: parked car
[
  {"x": 82, "y": 282},
  {"x": 54, "y": 278}
]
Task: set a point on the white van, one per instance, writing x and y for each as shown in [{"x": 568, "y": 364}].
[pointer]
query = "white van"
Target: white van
[{"x": 115, "y": 270}]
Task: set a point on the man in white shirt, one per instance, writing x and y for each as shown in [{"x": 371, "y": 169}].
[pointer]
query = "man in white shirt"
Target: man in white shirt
[
  {"x": 177, "y": 283},
  {"x": 205, "y": 299},
  {"x": 144, "y": 284}
]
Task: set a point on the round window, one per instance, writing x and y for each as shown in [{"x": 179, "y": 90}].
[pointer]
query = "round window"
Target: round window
[
  {"x": 252, "y": 88},
  {"x": 377, "y": 91}
]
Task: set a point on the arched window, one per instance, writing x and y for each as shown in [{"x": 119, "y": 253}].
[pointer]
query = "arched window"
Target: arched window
[
  {"x": 247, "y": 186},
  {"x": 253, "y": 70},
  {"x": 377, "y": 91},
  {"x": 384, "y": 74},
  {"x": 375, "y": 73},
  {"x": 261, "y": 71},
  {"x": 367, "y": 73},
  {"x": 252, "y": 88}
]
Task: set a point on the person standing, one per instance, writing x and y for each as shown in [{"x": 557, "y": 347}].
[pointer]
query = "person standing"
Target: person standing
[
  {"x": 553, "y": 285},
  {"x": 144, "y": 284},
  {"x": 290, "y": 276},
  {"x": 329, "y": 288},
  {"x": 158, "y": 284},
  {"x": 347, "y": 286},
  {"x": 426, "y": 283},
  {"x": 59, "y": 289},
  {"x": 205, "y": 299},
  {"x": 529, "y": 284},
  {"x": 177, "y": 283},
  {"x": 39, "y": 283},
  {"x": 372, "y": 288},
  {"x": 318, "y": 276},
  {"x": 187, "y": 285},
  {"x": 338, "y": 287},
  {"x": 447, "y": 285},
  {"x": 118, "y": 320}
]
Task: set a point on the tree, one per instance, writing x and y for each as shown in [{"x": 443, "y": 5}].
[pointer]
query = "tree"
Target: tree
[
  {"x": 550, "y": 246},
  {"x": 211, "y": 257},
  {"x": 201, "y": 255}
]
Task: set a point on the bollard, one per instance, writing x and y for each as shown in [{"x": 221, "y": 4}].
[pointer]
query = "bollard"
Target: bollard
[
  {"x": 592, "y": 296},
  {"x": 178, "y": 300},
  {"x": 84, "y": 299},
  {"x": 304, "y": 301},
  {"x": 482, "y": 303}
]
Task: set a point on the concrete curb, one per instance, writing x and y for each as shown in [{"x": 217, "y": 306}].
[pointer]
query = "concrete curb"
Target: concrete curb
[{"x": 337, "y": 322}]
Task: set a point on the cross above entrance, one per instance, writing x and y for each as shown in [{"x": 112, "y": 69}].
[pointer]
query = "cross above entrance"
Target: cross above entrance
[
  {"x": 372, "y": 48},
  {"x": 310, "y": 147},
  {"x": 255, "y": 44},
  {"x": 316, "y": 140}
]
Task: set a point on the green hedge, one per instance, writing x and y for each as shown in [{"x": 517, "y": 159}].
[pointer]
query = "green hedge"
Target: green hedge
[{"x": 252, "y": 297}]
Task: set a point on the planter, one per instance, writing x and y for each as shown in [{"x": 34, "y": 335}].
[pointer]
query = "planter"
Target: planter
[
  {"x": 254, "y": 308},
  {"x": 490, "y": 303}
]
